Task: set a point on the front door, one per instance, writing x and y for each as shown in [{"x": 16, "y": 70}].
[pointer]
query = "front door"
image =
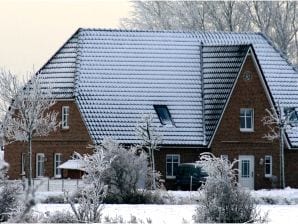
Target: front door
[{"x": 246, "y": 171}]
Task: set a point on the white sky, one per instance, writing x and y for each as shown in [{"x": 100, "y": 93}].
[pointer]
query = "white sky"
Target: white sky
[{"x": 32, "y": 30}]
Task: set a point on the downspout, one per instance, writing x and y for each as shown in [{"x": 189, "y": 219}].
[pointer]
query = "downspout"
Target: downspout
[{"x": 203, "y": 94}]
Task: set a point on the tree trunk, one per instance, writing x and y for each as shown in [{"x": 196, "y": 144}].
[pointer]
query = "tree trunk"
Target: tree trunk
[
  {"x": 30, "y": 161},
  {"x": 153, "y": 170}
]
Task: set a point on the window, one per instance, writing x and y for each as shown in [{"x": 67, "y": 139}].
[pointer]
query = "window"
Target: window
[
  {"x": 268, "y": 166},
  {"x": 40, "y": 164},
  {"x": 57, "y": 162},
  {"x": 245, "y": 168},
  {"x": 163, "y": 114},
  {"x": 23, "y": 166},
  {"x": 172, "y": 162},
  {"x": 246, "y": 119},
  {"x": 65, "y": 117}
]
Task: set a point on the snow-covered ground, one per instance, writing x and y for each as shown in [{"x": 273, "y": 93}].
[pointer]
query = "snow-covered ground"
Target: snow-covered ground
[
  {"x": 175, "y": 213},
  {"x": 281, "y": 205}
]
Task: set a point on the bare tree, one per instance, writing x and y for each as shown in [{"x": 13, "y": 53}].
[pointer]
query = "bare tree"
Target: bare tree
[
  {"x": 150, "y": 142},
  {"x": 278, "y": 123},
  {"x": 29, "y": 113},
  {"x": 228, "y": 16},
  {"x": 278, "y": 20}
]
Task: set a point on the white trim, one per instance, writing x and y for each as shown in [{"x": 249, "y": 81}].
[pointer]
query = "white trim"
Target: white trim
[
  {"x": 23, "y": 163},
  {"x": 55, "y": 165},
  {"x": 37, "y": 164},
  {"x": 66, "y": 119},
  {"x": 172, "y": 176},
  {"x": 247, "y": 181},
  {"x": 252, "y": 120},
  {"x": 67, "y": 100},
  {"x": 270, "y": 164},
  {"x": 249, "y": 52}
]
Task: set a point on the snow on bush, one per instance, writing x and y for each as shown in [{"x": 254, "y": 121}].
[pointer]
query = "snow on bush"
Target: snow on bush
[
  {"x": 9, "y": 192},
  {"x": 223, "y": 200},
  {"x": 92, "y": 195},
  {"x": 127, "y": 172},
  {"x": 59, "y": 217}
]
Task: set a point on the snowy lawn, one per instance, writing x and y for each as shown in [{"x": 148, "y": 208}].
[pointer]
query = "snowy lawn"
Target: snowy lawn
[
  {"x": 175, "y": 213},
  {"x": 288, "y": 196}
]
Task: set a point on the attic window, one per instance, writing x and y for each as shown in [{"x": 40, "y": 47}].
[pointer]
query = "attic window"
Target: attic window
[{"x": 163, "y": 114}]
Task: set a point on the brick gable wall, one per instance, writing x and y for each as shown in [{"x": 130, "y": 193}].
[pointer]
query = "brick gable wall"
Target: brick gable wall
[
  {"x": 76, "y": 138},
  {"x": 229, "y": 140}
]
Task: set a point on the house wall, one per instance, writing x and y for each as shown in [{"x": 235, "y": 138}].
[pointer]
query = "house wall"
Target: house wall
[
  {"x": 291, "y": 167},
  {"x": 64, "y": 141},
  {"x": 229, "y": 140},
  {"x": 187, "y": 155}
]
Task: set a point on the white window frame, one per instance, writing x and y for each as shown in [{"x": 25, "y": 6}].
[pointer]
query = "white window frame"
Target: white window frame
[
  {"x": 57, "y": 172},
  {"x": 38, "y": 155},
  {"x": 269, "y": 164},
  {"x": 23, "y": 163},
  {"x": 245, "y": 129},
  {"x": 65, "y": 117},
  {"x": 172, "y": 167}
]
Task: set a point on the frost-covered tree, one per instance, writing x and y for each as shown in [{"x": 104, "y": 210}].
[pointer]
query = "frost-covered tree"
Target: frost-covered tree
[
  {"x": 279, "y": 121},
  {"x": 150, "y": 142},
  {"x": 29, "y": 113},
  {"x": 277, "y": 19},
  {"x": 223, "y": 200},
  {"x": 127, "y": 170},
  {"x": 90, "y": 201}
]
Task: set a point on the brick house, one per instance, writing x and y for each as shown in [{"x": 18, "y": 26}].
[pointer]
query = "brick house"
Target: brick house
[{"x": 206, "y": 91}]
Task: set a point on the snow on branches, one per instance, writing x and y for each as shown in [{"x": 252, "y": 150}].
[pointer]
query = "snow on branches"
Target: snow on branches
[
  {"x": 150, "y": 142},
  {"x": 30, "y": 111}
]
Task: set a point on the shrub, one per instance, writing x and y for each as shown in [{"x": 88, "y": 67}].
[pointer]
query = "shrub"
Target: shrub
[
  {"x": 8, "y": 198},
  {"x": 127, "y": 170},
  {"x": 138, "y": 197},
  {"x": 223, "y": 200},
  {"x": 59, "y": 217}
]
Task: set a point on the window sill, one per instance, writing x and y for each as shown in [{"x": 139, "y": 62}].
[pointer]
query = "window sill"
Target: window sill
[
  {"x": 65, "y": 129},
  {"x": 171, "y": 177},
  {"x": 268, "y": 175},
  {"x": 246, "y": 130},
  {"x": 57, "y": 177}
]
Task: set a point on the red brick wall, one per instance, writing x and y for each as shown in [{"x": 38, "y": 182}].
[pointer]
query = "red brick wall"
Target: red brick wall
[
  {"x": 187, "y": 155},
  {"x": 231, "y": 141},
  {"x": 76, "y": 138},
  {"x": 291, "y": 167}
]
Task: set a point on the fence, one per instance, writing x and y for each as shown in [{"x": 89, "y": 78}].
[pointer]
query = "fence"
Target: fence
[{"x": 47, "y": 184}]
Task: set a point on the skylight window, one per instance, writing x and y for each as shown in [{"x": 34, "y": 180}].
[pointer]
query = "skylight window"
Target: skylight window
[{"x": 163, "y": 114}]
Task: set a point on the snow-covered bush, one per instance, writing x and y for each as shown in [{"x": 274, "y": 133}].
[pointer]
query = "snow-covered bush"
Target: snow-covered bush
[
  {"x": 90, "y": 206},
  {"x": 223, "y": 200},
  {"x": 127, "y": 171},
  {"x": 59, "y": 217},
  {"x": 9, "y": 192}
]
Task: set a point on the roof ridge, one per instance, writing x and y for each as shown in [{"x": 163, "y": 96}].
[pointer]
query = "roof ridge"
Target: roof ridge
[{"x": 165, "y": 31}]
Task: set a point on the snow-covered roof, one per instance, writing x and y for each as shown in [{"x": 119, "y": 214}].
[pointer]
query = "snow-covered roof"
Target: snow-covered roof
[
  {"x": 117, "y": 75},
  {"x": 72, "y": 164}
]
